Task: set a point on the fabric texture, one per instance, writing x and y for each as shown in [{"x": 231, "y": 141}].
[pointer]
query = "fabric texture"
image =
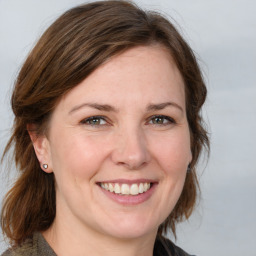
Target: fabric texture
[
  {"x": 34, "y": 246},
  {"x": 37, "y": 246},
  {"x": 164, "y": 247}
]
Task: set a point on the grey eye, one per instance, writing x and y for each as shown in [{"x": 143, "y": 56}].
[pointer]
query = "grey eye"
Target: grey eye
[
  {"x": 161, "y": 120},
  {"x": 94, "y": 121}
]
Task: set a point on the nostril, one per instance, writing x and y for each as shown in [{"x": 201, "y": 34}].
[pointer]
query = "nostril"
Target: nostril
[{"x": 131, "y": 150}]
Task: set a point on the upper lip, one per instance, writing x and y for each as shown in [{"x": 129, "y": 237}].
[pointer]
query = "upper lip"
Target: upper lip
[{"x": 128, "y": 181}]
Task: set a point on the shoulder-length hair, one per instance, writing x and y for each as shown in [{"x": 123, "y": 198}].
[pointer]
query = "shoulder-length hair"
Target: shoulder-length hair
[{"x": 76, "y": 44}]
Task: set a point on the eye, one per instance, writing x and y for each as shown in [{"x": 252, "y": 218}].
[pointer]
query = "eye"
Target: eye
[
  {"x": 161, "y": 120},
  {"x": 94, "y": 121}
]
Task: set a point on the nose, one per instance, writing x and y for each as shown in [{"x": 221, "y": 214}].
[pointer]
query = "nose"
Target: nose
[{"x": 131, "y": 150}]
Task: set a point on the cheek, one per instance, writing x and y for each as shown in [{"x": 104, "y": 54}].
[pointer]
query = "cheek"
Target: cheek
[
  {"x": 77, "y": 155},
  {"x": 173, "y": 152}
]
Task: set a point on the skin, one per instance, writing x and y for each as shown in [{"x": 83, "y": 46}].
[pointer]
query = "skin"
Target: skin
[{"x": 126, "y": 142}]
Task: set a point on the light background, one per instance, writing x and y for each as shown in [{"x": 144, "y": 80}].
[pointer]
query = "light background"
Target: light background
[{"x": 223, "y": 34}]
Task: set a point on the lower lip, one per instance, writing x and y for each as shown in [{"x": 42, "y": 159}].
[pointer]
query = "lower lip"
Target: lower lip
[{"x": 130, "y": 199}]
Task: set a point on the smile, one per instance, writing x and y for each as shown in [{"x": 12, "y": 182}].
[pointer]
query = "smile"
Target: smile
[{"x": 126, "y": 189}]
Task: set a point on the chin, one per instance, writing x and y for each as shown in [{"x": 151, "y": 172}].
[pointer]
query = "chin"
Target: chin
[{"x": 129, "y": 229}]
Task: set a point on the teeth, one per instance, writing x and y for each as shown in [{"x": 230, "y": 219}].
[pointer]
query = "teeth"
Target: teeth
[
  {"x": 146, "y": 186},
  {"x": 134, "y": 189},
  {"x": 110, "y": 187},
  {"x": 125, "y": 189},
  {"x": 141, "y": 188},
  {"x": 117, "y": 189}
]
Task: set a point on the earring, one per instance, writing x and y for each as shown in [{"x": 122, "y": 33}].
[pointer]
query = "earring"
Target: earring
[
  {"x": 189, "y": 169},
  {"x": 45, "y": 166}
]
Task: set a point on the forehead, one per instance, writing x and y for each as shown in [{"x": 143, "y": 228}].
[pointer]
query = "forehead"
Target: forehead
[{"x": 143, "y": 73}]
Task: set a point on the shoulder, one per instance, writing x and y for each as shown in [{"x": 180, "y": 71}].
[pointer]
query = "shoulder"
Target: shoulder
[
  {"x": 6, "y": 253},
  {"x": 33, "y": 246},
  {"x": 164, "y": 247},
  {"x": 26, "y": 248}
]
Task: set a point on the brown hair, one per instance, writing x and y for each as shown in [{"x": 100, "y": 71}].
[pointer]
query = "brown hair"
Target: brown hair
[{"x": 70, "y": 49}]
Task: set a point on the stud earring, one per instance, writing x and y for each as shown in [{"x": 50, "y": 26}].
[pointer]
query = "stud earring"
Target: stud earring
[
  {"x": 45, "y": 166},
  {"x": 189, "y": 169}
]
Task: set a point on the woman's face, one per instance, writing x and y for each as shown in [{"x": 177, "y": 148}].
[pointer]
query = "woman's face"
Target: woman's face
[{"x": 119, "y": 146}]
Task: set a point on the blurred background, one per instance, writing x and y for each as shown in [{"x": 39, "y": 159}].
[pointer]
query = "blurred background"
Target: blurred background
[{"x": 223, "y": 35}]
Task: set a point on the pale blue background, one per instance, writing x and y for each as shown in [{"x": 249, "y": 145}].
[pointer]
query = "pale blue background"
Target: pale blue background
[{"x": 223, "y": 33}]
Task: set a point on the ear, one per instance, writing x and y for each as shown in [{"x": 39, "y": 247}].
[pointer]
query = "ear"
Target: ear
[{"x": 41, "y": 146}]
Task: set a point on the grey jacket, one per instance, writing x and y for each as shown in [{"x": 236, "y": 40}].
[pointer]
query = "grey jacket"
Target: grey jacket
[{"x": 37, "y": 246}]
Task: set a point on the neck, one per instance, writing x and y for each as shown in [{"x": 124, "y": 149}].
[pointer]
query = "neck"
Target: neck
[{"x": 67, "y": 239}]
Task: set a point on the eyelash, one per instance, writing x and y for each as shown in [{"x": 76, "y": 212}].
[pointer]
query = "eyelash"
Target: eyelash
[
  {"x": 166, "y": 120},
  {"x": 91, "y": 118},
  {"x": 169, "y": 119}
]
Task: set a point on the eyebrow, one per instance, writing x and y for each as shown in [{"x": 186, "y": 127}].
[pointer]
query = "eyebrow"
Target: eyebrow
[
  {"x": 153, "y": 107},
  {"x": 102, "y": 107},
  {"x": 109, "y": 108}
]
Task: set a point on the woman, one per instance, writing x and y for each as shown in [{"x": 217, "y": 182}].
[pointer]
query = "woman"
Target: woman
[{"x": 107, "y": 135}]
